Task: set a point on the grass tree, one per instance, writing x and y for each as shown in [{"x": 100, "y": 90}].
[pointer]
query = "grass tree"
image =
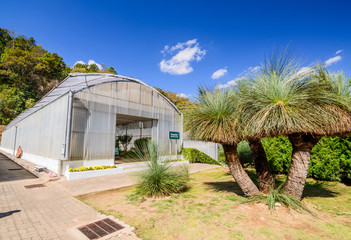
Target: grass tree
[
  {"x": 284, "y": 99},
  {"x": 215, "y": 119}
]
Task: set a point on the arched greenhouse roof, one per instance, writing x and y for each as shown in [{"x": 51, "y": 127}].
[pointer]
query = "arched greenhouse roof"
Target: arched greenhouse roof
[{"x": 76, "y": 82}]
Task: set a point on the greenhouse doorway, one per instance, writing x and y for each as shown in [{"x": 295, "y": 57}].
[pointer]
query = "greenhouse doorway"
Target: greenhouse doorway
[{"x": 131, "y": 130}]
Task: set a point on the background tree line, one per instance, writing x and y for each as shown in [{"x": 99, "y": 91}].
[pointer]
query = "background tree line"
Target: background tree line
[{"x": 28, "y": 72}]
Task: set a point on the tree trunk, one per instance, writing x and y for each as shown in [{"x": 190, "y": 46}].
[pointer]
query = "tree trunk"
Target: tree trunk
[
  {"x": 263, "y": 170},
  {"x": 302, "y": 145},
  {"x": 238, "y": 172}
]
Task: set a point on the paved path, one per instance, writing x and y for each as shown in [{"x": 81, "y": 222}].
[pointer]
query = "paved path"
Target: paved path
[
  {"x": 10, "y": 171},
  {"x": 45, "y": 213},
  {"x": 51, "y": 212}
]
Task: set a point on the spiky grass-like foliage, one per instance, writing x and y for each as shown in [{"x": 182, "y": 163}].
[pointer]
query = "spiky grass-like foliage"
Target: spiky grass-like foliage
[
  {"x": 276, "y": 196},
  {"x": 284, "y": 98},
  {"x": 214, "y": 117},
  {"x": 159, "y": 179}
]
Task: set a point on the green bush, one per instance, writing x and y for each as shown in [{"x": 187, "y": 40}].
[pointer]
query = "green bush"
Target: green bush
[
  {"x": 244, "y": 152},
  {"x": 159, "y": 179},
  {"x": 278, "y": 151},
  {"x": 331, "y": 159},
  {"x": 195, "y": 156}
]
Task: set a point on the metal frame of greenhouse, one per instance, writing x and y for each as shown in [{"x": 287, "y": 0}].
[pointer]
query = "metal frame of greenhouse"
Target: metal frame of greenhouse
[{"x": 76, "y": 123}]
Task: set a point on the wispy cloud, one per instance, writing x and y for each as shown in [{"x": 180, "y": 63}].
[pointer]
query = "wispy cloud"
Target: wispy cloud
[
  {"x": 339, "y": 51},
  {"x": 219, "y": 73},
  {"x": 230, "y": 83},
  {"x": 90, "y": 62},
  {"x": 183, "y": 54},
  {"x": 243, "y": 75},
  {"x": 332, "y": 60}
]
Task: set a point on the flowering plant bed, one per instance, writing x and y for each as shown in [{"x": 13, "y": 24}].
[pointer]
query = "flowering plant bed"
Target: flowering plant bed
[
  {"x": 97, "y": 172},
  {"x": 82, "y": 169}
]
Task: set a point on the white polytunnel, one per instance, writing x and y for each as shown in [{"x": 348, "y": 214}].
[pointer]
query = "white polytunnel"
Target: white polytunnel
[{"x": 77, "y": 123}]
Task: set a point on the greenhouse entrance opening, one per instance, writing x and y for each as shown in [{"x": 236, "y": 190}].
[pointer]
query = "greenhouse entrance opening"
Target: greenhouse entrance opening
[{"x": 129, "y": 131}]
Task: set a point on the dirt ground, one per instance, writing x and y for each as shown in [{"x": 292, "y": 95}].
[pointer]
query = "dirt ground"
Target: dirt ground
[{"x": 214, "y": 208}]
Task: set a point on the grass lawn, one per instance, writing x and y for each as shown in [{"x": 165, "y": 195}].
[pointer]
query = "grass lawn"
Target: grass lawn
[{"x": 214, "y": 208}]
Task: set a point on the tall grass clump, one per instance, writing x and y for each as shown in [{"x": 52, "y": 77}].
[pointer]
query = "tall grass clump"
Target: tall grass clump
[
  {"x": 276, "y": 196},
  {"x": 160, "y": 179}
]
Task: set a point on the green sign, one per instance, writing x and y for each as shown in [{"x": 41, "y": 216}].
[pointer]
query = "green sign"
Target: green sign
[{"x": 173, "y": 135}]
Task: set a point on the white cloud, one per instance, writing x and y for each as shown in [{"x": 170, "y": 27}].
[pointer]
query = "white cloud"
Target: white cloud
[
  {"x": 179, "y": 64},
  {"x": 183, "y": 95},
  {"x": 219, "y": 73},
  {"x": 247, "y": 72},
  {"x": 339, "y": 51},
  {"x": 93, "y": 62},
  {"x": 90, "y": 62},
  {"x": 332, "y": 60},
  {"x": 230, "y": 83},
  {"x": 81, "y": 62}
]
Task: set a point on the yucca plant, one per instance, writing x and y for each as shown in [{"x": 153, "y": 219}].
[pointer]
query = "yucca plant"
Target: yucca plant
[
  {"x": 160, "y": 179},
  {"x": 285, "y": 99},
  {"x": 215, "y": 119}
]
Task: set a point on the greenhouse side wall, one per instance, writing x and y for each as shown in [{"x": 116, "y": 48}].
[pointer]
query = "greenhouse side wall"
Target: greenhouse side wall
[{"x": 41, "y": 135}]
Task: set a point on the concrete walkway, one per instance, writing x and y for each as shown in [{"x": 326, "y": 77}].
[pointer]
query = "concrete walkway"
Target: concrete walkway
[
  {"x": 47, "y": 213},
  {"x": 103, "y": 183},
  {"x": 50, "y": 211}
]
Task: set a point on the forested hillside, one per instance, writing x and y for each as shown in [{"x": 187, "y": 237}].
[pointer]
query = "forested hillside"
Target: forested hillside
[{"x": 28, "y": 72}]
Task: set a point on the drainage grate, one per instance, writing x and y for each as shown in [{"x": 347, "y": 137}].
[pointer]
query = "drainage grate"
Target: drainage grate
[
  {"x": 100, "y": 228},
  {"x": 35, "y": 186},
  {"x": 14, "y": 169}
]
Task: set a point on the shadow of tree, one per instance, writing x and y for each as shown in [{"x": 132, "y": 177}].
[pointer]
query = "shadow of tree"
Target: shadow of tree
[
  {"x": 318, "y": 189},
  {"x": 9, "y": 213},
  {"x": 226, "y": 186}
]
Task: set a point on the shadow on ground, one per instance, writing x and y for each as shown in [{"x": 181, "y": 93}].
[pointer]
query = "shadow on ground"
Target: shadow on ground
[
  {"x": 227, "y": 186},
  {"x": 9, "y": 213},
  {"x": 317, "y": 189}
]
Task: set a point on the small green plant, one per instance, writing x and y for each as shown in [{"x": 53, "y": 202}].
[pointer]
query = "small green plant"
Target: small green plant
[
  {"x": 159, "y": 179},
  {"x": 276, "y": 196}
]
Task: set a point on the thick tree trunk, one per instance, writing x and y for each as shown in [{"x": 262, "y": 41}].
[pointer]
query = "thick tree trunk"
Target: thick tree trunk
[
  {"x": 263, "y": 170},
  {"x": 302, "y": 145},
  {"x": 238, "y": 172}
]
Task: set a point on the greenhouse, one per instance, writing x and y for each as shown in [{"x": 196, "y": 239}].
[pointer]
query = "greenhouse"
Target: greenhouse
[{"x": 78, "y": 122}]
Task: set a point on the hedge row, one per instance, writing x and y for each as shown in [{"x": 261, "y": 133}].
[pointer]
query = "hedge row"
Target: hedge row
[
  {"x": 195, "y": 156},
  {"x": 330, "y": 158}
]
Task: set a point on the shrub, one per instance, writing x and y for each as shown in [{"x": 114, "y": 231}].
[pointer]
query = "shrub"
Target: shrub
[
  {"x": 331, "y": 159},
  {"x": 159, "y": 179},
  {"x": 195, "y": 156},
  {"x": 244, "y": 152},
  {"x": 278, "y": 151}
]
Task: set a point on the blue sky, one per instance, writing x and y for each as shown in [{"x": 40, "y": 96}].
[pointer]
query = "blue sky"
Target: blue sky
[{"x": 179, "y": 45}]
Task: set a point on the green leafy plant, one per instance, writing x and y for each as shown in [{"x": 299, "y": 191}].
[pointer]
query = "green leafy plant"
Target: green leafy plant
[
  {"x": 124, "y": 140},
  {"x": 159, "y": 179},
  {"x": 278, "y": 151},
  {"x": 331, "y": 159},
  {"x": 195, "y": 156}
]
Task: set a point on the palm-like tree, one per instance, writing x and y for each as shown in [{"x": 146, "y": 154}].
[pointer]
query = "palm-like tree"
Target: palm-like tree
[
  {"x": 215, "y": 119},
  {"x": 284, "y": 99}
]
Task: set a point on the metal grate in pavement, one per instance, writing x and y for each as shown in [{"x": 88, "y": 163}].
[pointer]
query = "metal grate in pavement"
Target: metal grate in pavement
[
  {"x": 100, "y": 228},
  {"x": 34, "y": 186}
]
